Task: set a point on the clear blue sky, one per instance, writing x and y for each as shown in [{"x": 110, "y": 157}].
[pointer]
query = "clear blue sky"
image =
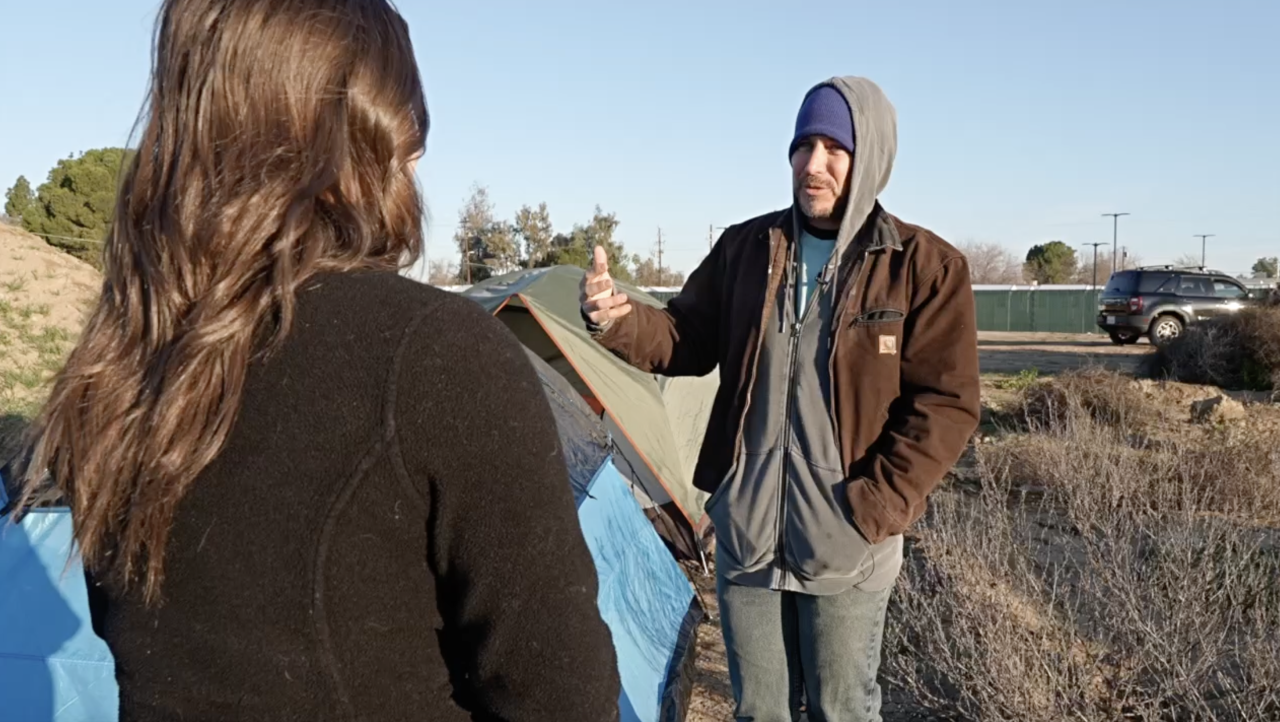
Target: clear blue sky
[{"x": 1020, "y": 122}]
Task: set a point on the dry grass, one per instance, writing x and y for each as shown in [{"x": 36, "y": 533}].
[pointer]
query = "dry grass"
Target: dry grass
[
  {"x": 44, "y": 296},
  {"x": 1240, "y": 351},
  {"x": 1082, "y": 571},
  {"x": 1090, "y": 393}
]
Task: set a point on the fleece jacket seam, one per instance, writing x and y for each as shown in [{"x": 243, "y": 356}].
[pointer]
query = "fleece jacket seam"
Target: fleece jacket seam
[
  {"x": 390, "y": 399},
  {"x": 386, "y": 442}
]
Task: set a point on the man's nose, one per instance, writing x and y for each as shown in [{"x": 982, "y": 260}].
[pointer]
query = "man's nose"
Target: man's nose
[{"x": 817, "y": 164}]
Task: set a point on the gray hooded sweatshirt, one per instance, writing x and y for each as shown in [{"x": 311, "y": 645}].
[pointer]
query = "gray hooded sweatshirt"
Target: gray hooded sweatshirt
[{"x": 782, "y": 517}]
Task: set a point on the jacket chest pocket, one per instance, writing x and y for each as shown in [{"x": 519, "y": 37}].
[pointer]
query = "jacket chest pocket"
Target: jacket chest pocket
[
  {"x": 877, "y": 332},
  {"x": 871, "y": 352}
]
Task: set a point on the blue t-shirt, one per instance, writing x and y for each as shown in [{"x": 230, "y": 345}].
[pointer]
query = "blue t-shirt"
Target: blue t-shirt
[{"x": 814, "y": 254}]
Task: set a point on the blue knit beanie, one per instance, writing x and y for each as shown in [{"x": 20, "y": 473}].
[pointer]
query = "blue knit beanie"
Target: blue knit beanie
[{"x": 824, "y": 112}]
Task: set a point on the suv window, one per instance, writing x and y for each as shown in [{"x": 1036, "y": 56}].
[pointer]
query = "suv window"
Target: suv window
[
  {"x": 1128, "y": 283},
  {"x": 1195, "y": 286},
  {"x": 1159, "y": 283},
  {"x": 1227, "y": 289}
]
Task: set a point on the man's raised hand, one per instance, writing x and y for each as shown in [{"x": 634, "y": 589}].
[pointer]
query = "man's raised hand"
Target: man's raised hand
[{"x": 600, "y": 301}]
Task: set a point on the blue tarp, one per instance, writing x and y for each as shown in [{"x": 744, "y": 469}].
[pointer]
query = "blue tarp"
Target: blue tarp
[
  {"x": 52, "y": 666},
  {"x": 645, "y": 599}
]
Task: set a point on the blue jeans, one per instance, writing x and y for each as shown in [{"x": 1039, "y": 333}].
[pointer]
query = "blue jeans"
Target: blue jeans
[{"x": 782, "y": 644}]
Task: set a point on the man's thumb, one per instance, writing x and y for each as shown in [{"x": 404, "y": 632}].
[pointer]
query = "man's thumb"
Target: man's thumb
[{"x": 601, "y": 264}]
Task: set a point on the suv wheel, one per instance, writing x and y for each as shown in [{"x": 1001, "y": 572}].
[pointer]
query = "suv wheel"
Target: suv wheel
[{"x": 1165, "y": 329}]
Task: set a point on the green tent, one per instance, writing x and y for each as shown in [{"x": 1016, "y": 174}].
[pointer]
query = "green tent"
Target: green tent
[{"x": 657, "y": 423}]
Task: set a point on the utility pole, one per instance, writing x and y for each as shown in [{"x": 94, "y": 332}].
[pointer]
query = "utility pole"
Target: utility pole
[
  {"x": 1202, "y": 237},
  {"x": 1115, "y": 234},
  {"x": 711, "y": 235},
  {"x": 471, "y": 246},
  {"x": 660, "y": 274},
  {"x": 1095, "y": 260}
]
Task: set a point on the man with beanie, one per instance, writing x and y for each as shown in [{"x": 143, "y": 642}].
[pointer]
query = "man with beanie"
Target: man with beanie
[{"x": 847, "y": 352}]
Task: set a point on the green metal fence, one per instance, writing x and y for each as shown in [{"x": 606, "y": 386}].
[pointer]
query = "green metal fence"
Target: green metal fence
[
  {"x": 1026, "y": 309},
  {"x": 1071, "y": 309}
]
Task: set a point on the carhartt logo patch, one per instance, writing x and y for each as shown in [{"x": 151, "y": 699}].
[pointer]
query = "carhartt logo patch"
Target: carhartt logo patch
[{"x": 889, "y": 345}]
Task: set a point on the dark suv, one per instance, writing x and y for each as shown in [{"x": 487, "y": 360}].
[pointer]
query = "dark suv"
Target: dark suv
[{"x": 1160, "y": 301}]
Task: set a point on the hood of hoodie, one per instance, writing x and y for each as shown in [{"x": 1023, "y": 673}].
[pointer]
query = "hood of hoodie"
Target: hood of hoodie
[{"x": 875, "y": 141}]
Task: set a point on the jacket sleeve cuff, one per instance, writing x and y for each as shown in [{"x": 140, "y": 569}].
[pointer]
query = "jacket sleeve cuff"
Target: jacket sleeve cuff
[
  {"x": 870, "y": 517},
  {"x": 595, "y": 329}
]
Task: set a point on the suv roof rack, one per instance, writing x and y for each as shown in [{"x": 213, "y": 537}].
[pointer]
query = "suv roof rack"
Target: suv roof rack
[{"x": 1172, "y": 267}]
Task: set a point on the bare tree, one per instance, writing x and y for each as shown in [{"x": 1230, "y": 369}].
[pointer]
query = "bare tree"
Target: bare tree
[
  {"x": 1187, "y": 260},
  {"x": 442, "y": 272},
  {"x": 992, "y": 263},
  {"x": 647, "y": 274},
  {"x": 1105, "y": 266}
]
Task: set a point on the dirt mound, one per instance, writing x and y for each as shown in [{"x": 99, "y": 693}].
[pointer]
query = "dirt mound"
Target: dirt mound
[{"x": 45, "y": 297}]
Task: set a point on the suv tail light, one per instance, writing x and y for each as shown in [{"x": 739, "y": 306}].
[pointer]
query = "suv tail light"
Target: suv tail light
[{"x": 1135, "y": 304}]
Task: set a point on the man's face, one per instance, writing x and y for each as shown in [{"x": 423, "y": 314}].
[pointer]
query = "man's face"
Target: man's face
[{"x": 819, "y": 175}]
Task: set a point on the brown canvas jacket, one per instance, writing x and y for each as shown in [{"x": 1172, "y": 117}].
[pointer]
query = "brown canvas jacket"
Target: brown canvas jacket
[{"x": 904, "y": 365}]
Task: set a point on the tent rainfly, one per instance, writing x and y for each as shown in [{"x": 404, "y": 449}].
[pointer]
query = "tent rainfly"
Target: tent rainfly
[{"x": 657, "y": 423}]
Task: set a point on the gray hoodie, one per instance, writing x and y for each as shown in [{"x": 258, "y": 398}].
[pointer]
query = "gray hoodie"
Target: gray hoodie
[{"x": 782, "y": 517}]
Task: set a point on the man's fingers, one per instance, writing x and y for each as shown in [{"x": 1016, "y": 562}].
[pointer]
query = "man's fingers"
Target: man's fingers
[
  {"x": 599, "y": 300},
  {"x": 599, "y": 288},
  {"x": 610, "y": 314},
  {"x": 610, "y": 301}
]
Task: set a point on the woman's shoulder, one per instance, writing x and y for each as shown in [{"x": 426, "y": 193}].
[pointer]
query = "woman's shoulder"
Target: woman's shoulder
[
  {"x": 426, "y": 326},
  {"x": 381, "y": 303},
  {"x": 384, "y": 293},
  {"x": 379, "y": 325}
]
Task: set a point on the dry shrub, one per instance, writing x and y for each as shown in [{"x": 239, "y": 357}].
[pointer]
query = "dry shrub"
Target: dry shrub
[
  {"x": 1090, "y": 393},
  {"x": 1082, "y": 578},
  {"x": 1240, "y": 351}
]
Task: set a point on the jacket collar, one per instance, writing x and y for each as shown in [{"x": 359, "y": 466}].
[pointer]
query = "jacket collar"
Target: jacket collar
[{"x": 877, "y": 234}]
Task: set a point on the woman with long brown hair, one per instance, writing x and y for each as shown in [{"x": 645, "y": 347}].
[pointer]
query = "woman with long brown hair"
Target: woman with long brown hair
[{"x": 303, "y": 487}]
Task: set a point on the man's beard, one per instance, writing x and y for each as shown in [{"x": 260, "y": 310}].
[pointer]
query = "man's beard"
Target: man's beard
[{"x": 815, "y": 208}]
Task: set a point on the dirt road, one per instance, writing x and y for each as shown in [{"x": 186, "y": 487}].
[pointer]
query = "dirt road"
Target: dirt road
[{"x": 1051, "y": 353}]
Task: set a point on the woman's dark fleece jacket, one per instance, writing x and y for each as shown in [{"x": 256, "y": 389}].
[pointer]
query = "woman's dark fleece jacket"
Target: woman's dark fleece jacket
[{"x": 389, "y": 534}]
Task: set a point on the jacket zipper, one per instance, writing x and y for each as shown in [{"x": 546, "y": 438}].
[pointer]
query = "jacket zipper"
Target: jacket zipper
[{"x": 793, "y": 352}]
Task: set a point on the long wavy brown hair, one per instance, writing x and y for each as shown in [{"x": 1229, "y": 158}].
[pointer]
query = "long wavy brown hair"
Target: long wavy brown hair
[{"x": 277, "y": 142}]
